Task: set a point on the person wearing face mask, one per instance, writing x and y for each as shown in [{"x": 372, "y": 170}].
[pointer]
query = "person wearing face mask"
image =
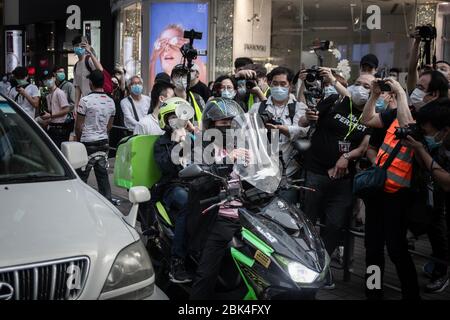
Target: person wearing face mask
[
  {"x": 330, "y": 164},
  {"x": 285, "y": 114},
  {"x": 430, "y": 86},
  {"x": 149, "y": 125},
  {"x": 198, "y": 86},
  {"x": 87, "y": 62},
  {"x": 136, "y": 106},
  {"x": 61, "y": 122},
  {"x": 226, "y": 87},
  {"x": 256, "y": 74},
  {"x": 387, "y": 209},
  {"x": 26, "y": 95},
  {"x": 174, "y": 195},
  {"x": 65, "y": 85},
  {"x": 433, "y": 156},
  {"x": 179, "y": 80},
  {"x": 5, "y": 86}
]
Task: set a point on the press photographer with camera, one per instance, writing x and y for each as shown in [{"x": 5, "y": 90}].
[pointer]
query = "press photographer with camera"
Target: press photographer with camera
[
  {"x": 338, "y": 141},
  {"x": 431, "y": 146},
  {"x": 281, "y": 112},
  {"x": 26, "y": 94},
  {"x": 389, "y": 202},
  {"x": 430, "y": 86},
  {"x": 248, "y": 89}
]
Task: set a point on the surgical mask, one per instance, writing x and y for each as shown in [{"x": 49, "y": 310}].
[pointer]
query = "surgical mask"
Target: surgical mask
[
  {"x": 229, "y": 94},
  {"x": 137, "y": 89},
  {"x": 61, "y": 76},
  {"x": 279, "y": 93},
  {"x": 431, "y": 142},
  {"x": 416, "y": 98},
  {"x": 49, "y": 83},
  {"x": 381, "y": 105},
  {"x": 360, "y": 95},
  {"x": 79, "y": 51},
  {"x": 22, "y": 82},
  {"x": 242, "y": 91},
  {"x": 180, "y": 83},
  {"x": 329, "y": 91}
]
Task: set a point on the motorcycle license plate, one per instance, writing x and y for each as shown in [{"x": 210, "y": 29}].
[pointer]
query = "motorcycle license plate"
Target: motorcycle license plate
[{"x": 262, "y": 259}]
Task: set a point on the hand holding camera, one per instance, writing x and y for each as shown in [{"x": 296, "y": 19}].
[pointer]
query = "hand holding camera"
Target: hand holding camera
[{"x": 312, "y": 115}]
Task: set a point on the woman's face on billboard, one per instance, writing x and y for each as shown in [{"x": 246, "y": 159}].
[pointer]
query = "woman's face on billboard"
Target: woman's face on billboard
[{"x": 170, "y": 42}]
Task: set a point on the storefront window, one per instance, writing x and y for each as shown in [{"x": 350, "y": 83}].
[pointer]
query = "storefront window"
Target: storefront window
[{"x": 131, "y": 39}]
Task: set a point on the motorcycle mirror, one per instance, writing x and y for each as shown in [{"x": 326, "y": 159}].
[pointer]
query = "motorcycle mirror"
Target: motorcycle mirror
[{"x": 192, "y": 171}]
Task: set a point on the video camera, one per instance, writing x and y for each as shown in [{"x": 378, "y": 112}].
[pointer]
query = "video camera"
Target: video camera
[
  {"x": 427, "y": 33},
  {"x": 267, "y": 118},
  {"x": 188, "y": 51}
]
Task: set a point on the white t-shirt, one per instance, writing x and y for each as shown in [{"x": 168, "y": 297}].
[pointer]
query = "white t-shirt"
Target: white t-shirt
[
  {"x": 33, "y": 91},
  {"x": 80, "y": 74},
  {"x": 98, "y": 108},
  {"x": 142, "y": 106},
  {"x": 149, "y": 125},
  {"x": 56, "y": 102}
]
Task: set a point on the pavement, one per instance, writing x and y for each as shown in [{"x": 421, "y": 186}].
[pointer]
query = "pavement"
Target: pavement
[{"x": 345, "y": 290}]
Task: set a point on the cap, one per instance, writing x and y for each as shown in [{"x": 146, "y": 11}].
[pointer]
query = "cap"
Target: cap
[
  {"x": 370, "y": 60},
  {"x": 95, "y": 76}
]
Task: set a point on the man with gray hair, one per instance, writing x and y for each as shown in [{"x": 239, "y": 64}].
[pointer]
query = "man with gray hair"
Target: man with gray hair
[{"x": 135, "y": 107}]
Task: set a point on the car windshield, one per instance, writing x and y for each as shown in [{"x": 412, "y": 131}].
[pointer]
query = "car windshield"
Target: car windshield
[{"x": 24, "y": 155}]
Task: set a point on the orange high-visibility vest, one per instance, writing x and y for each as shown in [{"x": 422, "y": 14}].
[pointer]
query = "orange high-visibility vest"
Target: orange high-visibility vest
[{"x": 399, "y": 173}]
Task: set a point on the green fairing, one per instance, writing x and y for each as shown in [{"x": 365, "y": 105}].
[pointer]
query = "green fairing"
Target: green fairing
[
  {"x": 258, "y": 243},
  {"x": 135, "y": 164},
  {"x": 239, "y": 256}
]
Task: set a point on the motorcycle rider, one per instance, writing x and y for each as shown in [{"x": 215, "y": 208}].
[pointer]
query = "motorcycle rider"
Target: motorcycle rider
[
  {"x": 175, "y": 196},
  {"x": 218, "y": 114}
]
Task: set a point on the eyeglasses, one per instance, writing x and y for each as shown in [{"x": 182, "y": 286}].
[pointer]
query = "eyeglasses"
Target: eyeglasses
[{"x": 174, "y": 41}]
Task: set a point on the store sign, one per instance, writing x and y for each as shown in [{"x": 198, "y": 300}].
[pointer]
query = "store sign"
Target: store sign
[
  {"x": 74, "y": 20},
  {"x": 255, "y": 47}
]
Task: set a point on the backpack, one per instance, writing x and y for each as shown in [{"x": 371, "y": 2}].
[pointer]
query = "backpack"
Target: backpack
[{"x": 107, "y": 86}]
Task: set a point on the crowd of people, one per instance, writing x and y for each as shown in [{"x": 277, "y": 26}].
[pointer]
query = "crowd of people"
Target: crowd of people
[{"x": 351, "y": 126}]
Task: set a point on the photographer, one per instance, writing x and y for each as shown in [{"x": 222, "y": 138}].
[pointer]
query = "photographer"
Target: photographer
[
  {"x": 431, "y": 85},
  {"x": 248, "y": 89},
  {"x": 368, "y": 65},
  {"x": 226, "y": 87},
  {"x": 387, "y": 209},
  {"x": 240, "y": 63},
  {"x": 179, "y": 80},
  {"x": 433, "y": 157},
  {"x": 281, "y": 112},
  {"x": 26, "y": 95},
  {"x": 339, "y": 140},
  {"x": 261, "y": 82}
]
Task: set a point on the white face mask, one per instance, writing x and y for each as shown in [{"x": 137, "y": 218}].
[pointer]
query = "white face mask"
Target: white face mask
[
  {"x": 416, "y": 98},
  {"x": 180, "y": 83},
  {"x": 360, "y": 95},
  {"x": 229, "y": 94}
]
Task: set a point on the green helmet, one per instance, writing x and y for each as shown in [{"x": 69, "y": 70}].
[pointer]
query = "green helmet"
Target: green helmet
[
  {"x": 169, "y": 107},
  {"x": 220, "y": 109}
]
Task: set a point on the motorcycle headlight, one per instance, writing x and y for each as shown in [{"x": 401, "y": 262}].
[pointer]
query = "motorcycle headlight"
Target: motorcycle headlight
[
  {"x": 131, "y": 266},
  {"x": 297, "y": 271},
  {"x": 301, "y": 274}
]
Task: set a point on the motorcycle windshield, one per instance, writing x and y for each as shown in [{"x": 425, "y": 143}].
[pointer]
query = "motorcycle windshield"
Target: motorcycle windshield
[{"x": 261, "y": 167}]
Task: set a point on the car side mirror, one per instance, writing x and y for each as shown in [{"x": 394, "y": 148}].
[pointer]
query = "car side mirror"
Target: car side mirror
[
  {"x": 75, "y": 153},
  {"x": 192, "y": 171},
  {"x": 136, "y": 196}
]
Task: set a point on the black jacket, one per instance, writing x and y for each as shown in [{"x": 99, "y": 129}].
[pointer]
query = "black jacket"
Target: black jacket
[{"x": 162, "y": 153}]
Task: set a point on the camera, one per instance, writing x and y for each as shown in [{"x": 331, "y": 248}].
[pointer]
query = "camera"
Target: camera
[
  {"x": 427, "y": 32},
  {"x": 384, "y": 87},
  {"x": 268, "y": 119},
  {"x": 412, "y": 130},
  {"x": 188, "y": 51},
  {"x": 313, "y": 74}
]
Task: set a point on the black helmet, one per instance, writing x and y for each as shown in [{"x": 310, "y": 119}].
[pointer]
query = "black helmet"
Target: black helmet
[{"x": 220, "y": 109}]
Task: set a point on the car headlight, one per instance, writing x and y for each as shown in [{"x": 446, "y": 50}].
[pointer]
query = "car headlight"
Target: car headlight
[
  {"x": 297, "y": 271},
  {"x": 131, "y": 266}
]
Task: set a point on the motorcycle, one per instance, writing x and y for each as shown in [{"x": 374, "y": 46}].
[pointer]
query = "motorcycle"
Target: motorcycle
[{"x": 277, "y": 254}]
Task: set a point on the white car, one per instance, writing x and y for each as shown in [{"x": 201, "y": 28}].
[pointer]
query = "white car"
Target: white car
[{"x": 59, "y": 238}]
